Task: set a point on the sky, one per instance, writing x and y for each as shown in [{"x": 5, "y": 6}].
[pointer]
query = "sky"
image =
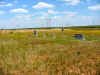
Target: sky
[{"x": 48, "y": 13}]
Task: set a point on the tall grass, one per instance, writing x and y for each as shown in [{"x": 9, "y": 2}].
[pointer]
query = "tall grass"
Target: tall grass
[{"x": 23, "y": 54}]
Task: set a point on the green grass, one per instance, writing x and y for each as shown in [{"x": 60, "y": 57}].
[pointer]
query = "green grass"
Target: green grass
[
  {"x": 89, "y": 26},
  {"x": 24, "y": 54}
]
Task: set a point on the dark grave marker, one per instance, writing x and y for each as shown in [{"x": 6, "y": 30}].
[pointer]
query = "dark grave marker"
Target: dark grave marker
[
  {"x": 62, "y": 29},
  {"x": 35, "y": 33},
  {"x": 79, "y": 36},
  {"x": 78, "y": 53}
]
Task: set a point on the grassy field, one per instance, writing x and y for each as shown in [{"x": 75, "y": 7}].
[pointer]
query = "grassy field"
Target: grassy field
[
  {"x": 23, "y": 54},
  {"x": 86, "y": 27}
]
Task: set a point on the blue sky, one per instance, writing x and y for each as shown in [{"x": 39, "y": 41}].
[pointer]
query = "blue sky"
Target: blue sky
[{"x": 42, "y": 13}]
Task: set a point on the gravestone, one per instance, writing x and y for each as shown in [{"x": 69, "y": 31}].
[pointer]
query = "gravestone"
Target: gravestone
[
  {"x": 35, "y": 33},
  {"x": 62, "y": 29},
  {"x": 53, "y": 35},
  {"x": 44, "y": 35},
  {"x": 79, "y": 37}
]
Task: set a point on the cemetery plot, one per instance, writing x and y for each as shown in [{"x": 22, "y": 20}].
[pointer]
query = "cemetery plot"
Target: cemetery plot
[{"x": 23, "y": 54}]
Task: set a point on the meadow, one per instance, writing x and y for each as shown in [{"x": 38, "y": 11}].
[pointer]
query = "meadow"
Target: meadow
[{"x": 23, "y": 54}]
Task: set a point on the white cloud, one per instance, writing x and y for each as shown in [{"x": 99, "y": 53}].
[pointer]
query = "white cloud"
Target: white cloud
[
  {"x": 9, "y": 4},
  {"x": 43, "y": 5},
  {"x": 69, "y": 13},
  {"x": 22, "y": 16},
  {"x": 27, "y": 21},
  {"x": 22, "y": 21},
  {"x": 72, "y": 2},
  {"x": 2, "y": 12},
  {"x": 95, "y": 7},
  {"x": 6, "y": 5},
  {"x": 52, "y": 12},
  {"x": 19, "y": 10}
]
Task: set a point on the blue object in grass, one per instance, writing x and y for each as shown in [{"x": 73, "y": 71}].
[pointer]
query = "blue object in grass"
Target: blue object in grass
[{"x": 79, "y": 36}]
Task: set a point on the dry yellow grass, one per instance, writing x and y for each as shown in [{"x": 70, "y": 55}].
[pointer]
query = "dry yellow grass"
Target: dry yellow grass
[{"x": 23, "y": 54}]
